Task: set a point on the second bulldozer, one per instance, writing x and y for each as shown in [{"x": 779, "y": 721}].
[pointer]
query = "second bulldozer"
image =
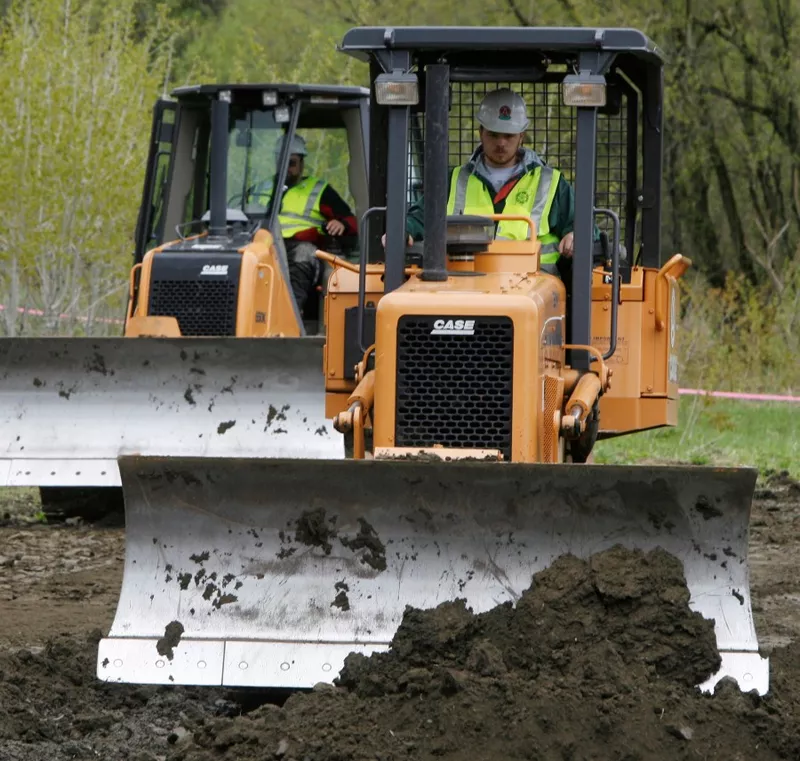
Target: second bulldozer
[
  {"x": 216, "y": 359},
  {"x": 474, "y": 384}
]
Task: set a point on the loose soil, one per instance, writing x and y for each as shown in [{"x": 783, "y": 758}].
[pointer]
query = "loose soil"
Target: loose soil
[{"x": 597, "y": 661}]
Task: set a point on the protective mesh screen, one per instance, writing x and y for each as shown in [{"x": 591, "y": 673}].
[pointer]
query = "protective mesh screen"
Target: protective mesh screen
[
  {"x": 454, "y": 390},
  {"x": 551, "y": 134}
]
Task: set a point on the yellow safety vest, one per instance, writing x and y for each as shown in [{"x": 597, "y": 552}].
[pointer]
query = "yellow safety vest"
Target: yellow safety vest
[
  {"x": 532, "y": 196},
  {"x": 300, "y": 206}
]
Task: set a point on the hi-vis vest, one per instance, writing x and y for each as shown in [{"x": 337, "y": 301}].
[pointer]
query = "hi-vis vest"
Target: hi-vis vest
[
  {"x": 532, "y": 196},
  {"x": 299, "y": 207}
]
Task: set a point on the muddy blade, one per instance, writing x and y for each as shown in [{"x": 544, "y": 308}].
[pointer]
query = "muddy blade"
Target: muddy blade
[
  {"x": 268, "y": 573},
  {"x": 70, "y": 406}
]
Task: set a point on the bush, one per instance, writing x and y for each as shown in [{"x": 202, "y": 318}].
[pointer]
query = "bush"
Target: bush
[
  {"x": 78, "y": 84},
  {"x": 741, "y": 337}
]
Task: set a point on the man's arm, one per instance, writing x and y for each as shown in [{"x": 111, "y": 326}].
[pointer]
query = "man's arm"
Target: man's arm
[
  {"x": 333, "y": 206},
  {"x": 562, "y": 213},
  {"x": 415, "y": 219}
]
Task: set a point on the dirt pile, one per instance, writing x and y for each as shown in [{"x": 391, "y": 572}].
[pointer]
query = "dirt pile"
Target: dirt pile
[
  {"x": 52, "y": 707},
  {"x": 545, "y": 681},
  {"x": 598, "y": 660},
  {"x": 775, "y": 560}
]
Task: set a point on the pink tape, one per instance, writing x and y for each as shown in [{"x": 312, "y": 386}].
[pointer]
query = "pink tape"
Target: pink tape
[{"x": 739, "y": 395}]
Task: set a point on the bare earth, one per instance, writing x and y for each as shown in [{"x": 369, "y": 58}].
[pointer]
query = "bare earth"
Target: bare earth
[{"x": 59, "y": 586}]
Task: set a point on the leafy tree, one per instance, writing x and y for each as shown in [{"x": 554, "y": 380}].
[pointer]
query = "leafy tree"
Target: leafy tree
[
  {"x": 75, "y": 116},
  {"x": 80, "y": 79},
  {"x": 189, "y": 16}
]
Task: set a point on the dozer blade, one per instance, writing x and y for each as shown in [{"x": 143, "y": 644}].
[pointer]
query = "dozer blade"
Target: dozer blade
[
  {"x": 70, "y": 406},
  {"x": 268, "y": 573}
]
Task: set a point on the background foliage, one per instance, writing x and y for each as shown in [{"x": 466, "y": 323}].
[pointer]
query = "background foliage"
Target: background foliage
[
  {"x": 80, "y": 76},
  {"x": 78, "y": 85}
]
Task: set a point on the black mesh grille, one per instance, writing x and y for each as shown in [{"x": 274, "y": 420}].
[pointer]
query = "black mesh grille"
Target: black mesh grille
[
  {"x": 454, "y": 390},
  {"x": 202, "y": 308},
  {"x": 551, "y": 134}
]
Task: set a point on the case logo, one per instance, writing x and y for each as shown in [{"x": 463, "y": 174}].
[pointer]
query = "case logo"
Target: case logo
[
  {"x": 214, "y": 269},
  {"x": 453, "y": 328}
]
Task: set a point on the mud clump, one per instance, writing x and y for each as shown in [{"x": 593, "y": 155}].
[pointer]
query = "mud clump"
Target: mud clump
[
  {"x": 367, "y": 539},
  {"x": 314, "y": 530},
  {"x": 341, "y": 600},
  {"x": 598, "y": 659},
  {"x": 422, "y": 456},
  {"x": 172, "y": 636}
]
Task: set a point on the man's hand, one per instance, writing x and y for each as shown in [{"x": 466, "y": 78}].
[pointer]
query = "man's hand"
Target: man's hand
[
  {"x": 335, "y": 227},
  {"x": 409, "y": 242},
  {"x": 565, "y": 246}
]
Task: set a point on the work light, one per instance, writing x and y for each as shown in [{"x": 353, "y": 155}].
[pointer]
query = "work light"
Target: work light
[
  {"x": 584, "y": 90},
  {"x": 397, "y": 89}
]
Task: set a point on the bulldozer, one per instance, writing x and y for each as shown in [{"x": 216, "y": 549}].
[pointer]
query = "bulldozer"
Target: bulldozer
[
  {"x": 475, "y": 384},
  {"x": 210, "y": 280}
]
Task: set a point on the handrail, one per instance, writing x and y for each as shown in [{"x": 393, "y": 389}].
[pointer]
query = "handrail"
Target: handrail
[{"x": 680, "y": 263}]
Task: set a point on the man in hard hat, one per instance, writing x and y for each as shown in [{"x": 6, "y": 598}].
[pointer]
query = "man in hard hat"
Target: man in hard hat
[
  {"x": 310, "y": 210},
  {"x": 504, "y": 177}
]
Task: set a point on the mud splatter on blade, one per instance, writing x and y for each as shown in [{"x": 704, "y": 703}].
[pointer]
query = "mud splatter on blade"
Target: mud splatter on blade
[
  {"x": 70, "y": 406},
  {"x": 276, "y": 570}
]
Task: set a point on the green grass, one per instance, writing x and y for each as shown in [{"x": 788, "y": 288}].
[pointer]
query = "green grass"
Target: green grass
[
  {"x": 21, "y": 503},
  {"x": 717, "y": 432}
]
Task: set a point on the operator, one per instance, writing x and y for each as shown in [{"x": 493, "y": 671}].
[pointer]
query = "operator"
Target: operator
[
  {"x": 310, "y": 209},
  {"x": 502, "y": 177}
]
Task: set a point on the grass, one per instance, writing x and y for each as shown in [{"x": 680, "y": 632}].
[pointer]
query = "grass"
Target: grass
[
  {"x": 717, "y": 432},
  {"x": 21, "y": 503}
]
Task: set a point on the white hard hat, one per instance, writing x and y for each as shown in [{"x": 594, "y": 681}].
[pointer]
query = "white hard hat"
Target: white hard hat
[
  {"x": 503, "y": 111},
  {"x": 298, "y": 146}
]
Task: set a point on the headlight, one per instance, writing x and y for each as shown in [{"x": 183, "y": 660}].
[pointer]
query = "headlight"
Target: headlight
[
  {"x": 584, "y": 90},
  {"x": 397, "y": 89}
]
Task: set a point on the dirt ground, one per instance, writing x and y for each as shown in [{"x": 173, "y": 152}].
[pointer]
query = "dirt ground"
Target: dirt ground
[{"x": 598, "y": 661}]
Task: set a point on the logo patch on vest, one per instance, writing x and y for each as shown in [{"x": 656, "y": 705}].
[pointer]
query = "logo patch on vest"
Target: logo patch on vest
[
  {"x": 521, "y": 197},
  {"x": 453, "y": 328},
  {"x": 214, "y": 269},
  {"x": 504, "y": 113}
]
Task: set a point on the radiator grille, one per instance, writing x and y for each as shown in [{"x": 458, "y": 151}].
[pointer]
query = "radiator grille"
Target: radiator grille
[
  {"x": 454, "y": 390},
  {"x": 552, "y": 394},
  {"x": 202, "y": 308}
]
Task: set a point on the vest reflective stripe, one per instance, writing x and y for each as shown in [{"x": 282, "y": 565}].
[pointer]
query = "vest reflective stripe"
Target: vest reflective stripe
[
  {"x": 460, "y": 177},
  {"x": 299, "y": 207},
  {"x": 468, "y": 195}
]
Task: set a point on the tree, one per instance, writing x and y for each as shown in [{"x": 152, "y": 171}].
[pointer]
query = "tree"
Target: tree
[
  {"x": 732, "y": 145},
  {"x": 78, "y": 89}
]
